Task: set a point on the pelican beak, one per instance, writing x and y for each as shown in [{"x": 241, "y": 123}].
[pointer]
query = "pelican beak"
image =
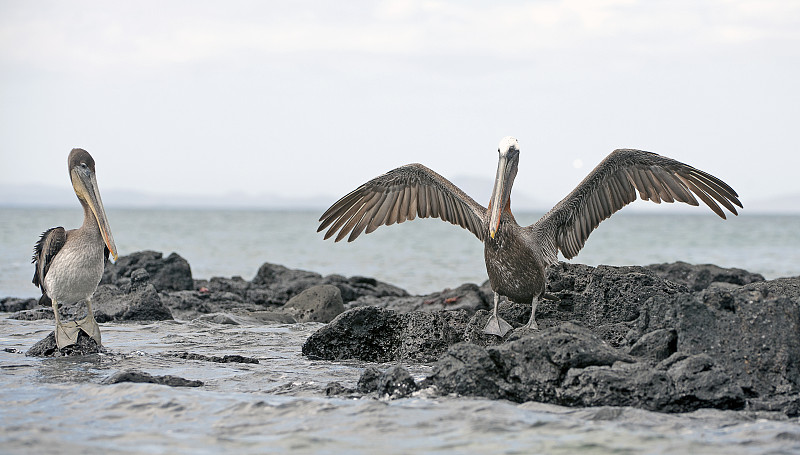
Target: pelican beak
[
  {"x": 85, "y": 184},
  {"x": 506, "y": 171}
]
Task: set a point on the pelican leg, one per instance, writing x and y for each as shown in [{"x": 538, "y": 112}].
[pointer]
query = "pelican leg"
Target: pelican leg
[
  {"x": 496, "y": 325},
  {"x": 532, "y": 321},
  {"x": 89, "y": 324},
  {"x": 66, "y": 334}
]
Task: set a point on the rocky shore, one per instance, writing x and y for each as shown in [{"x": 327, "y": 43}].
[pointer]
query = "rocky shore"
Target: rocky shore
[{"x": 666, "y": 337}]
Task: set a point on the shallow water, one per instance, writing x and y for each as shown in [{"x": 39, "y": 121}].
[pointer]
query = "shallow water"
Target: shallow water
[{"x": 280, "y": 405}]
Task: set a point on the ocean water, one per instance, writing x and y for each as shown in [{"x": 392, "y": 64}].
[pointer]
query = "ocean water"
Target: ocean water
[
  {"x": 421, "y": 256},
  {"x": 60, "y": 405}
]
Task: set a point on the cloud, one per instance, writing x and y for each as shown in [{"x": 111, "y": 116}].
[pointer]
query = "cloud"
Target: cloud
[{"x": 86, "y": 37}]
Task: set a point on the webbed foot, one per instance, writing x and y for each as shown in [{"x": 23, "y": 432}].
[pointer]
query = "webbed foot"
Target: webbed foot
[
  {"x": 67, "y": 333},
  {"x": 531, "y": 325},
  {"x": 496, "y": 326}
]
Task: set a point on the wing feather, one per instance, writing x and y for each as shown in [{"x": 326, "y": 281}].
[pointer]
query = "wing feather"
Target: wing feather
[
  {"x": 44, "y": 251},
  {"x": 613, "y": 184},
  {"x": 399, "y": 195}
]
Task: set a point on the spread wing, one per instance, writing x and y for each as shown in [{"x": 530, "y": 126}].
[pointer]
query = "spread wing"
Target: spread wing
[
  {"x": 613, "y": 184},
  {"x": 46, "y": 248},
  {"x": 399, "y": 195}
]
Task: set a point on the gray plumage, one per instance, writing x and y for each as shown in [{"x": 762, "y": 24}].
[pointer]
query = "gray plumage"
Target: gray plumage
[
  {"x": 516, "y": 256},
  {"x": 68, "y": 265}
]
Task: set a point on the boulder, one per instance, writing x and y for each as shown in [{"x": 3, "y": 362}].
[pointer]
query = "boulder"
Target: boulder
[
  {"x": 468, "y": 297},
  {"x": 379, "y": 335},
  {"x": 142, "y": 377},
  {"x": 141, "y": 302},
  {"x": 172, "y": 273},
  {"x": 47, "y": 347},
  {"x": 368, "y": 333},
  {"x": 320, "y": 303},
  {"x": 14, "y": 304},
  {"x": 699, "y": 277}
]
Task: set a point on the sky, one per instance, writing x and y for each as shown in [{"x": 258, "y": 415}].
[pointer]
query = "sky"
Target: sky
[{"x": 297, "y": 99}]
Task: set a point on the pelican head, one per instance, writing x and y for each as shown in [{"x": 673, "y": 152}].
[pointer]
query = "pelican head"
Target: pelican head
[
  {"x": 506, "y": 172},
  {"x": 84, "y": 182}
]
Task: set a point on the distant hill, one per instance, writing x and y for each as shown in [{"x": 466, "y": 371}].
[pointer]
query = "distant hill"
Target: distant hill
[
  {"x": 52, "y": 196},
  {"x": 477, "y": 187}
]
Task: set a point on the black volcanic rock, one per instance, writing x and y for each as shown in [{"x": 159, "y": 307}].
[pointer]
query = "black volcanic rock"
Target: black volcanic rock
[
  {"x": 378, "y": 335},
  {"x": 141, "y": 301},
  {"x": 530, "y": 368},
  {"x": 14, "y": 304},
  {"x": 367, "y": 333},
  {"x": 468, "y": 296},
  {"x": 285, "y": 283},
  {"x": 699, "y": 277},
  {"x": 615, "y": 336},
  {"x": 47, "y": 347},
  {"x": 142, "y": 377},
  {"x": 316, "y": 304},
  {"x": 172, "y": 273},
  {"x": 396, "y": 382}
]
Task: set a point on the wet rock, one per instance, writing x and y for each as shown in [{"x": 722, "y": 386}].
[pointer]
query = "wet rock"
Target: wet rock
[
  {"x": 368, "y": 382},
  {"x": 424, "y": 336},
  {"x": 466, "y": 369},
  {"x": 140, "y": 303},
  {"x": 396, "y": 382},
  {"x": 33, "y": 315},
  {"x": 47, "y": 347},
  {"x": 601, "y": 296},
  {"x": 356, "y": 287},
  {"x": 172, "y": 273},
  {"x": 142, "y": 377},
  {"x": 757, "y": 340},
  {"x": 690, "y": 383},
  {"x": 219, "y": 318},
  {"x": 368, "y": 333},
  {"x": 622, "y": 384},
  {"x": 699, "y": 277},
  {"x": 468, "y": 297},
  {"x": 656, "y": 345},
  {"x": 336, "y": 389},
  {"x": 285, "y": 283},
  {"x": 14, "y": 304},
  {"x": 278, "y": 317},
  {"x": 701, "y": 383},
  {"x": 530, "y": 368},
  {"x": 229, "y": 358},
  {"x": 316, "y": 304},
  {"x": 378, "y": 335},
  {"x": 235, "y": 285},
  {"x": 187, "y": 304}
]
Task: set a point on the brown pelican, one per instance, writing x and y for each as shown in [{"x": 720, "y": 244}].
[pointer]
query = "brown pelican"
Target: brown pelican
[
  {"x": 516, "y": 256},
  {"x": 69, "y": 264}
]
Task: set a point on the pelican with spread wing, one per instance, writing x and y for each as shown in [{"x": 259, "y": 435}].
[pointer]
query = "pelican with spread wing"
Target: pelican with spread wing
[{"x": 517, "y": 256}]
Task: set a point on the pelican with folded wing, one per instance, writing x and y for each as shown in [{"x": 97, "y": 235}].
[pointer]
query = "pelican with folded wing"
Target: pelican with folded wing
[{"x": 69, "y": 264}]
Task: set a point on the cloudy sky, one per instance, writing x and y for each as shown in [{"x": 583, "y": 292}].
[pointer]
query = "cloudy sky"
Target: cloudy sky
[{"x": 306, "y": 98}]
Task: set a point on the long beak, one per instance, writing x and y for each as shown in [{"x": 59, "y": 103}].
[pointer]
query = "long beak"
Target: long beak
[
  {"x": 500, "y": 193},
  {"x": 91, "y": 193}
]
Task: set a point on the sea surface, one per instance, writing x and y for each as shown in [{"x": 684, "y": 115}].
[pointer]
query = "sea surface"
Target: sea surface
[{"x": 61, "y": 405}]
